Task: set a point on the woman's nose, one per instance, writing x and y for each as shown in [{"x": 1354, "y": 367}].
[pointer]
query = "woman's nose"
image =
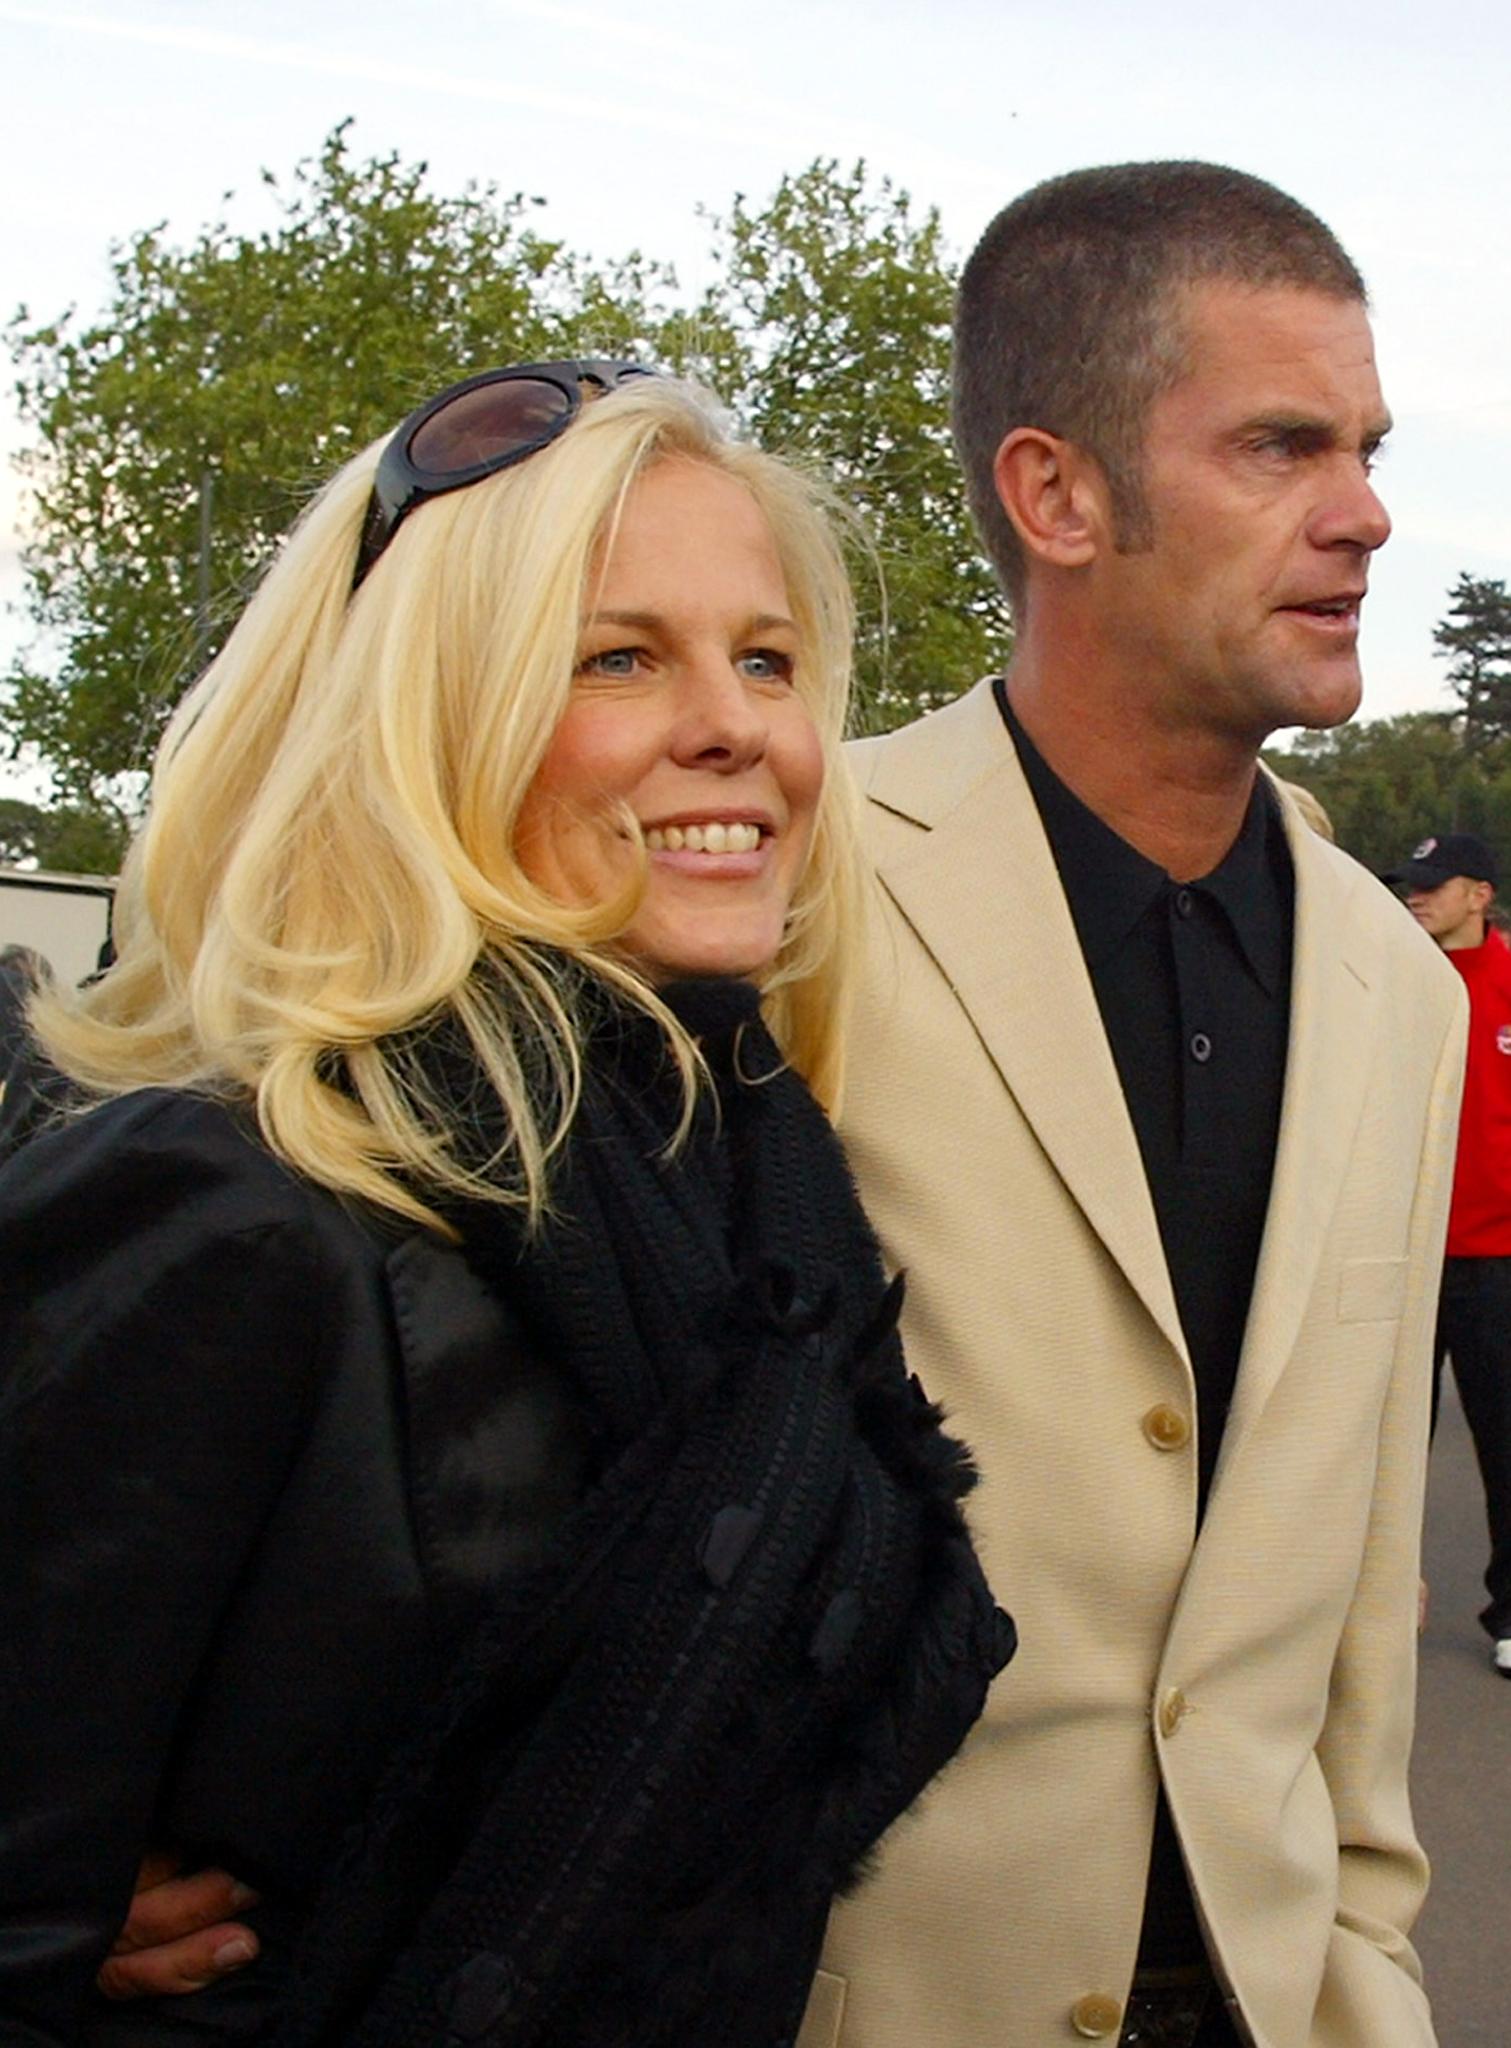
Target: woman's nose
[{"x": 723, "y": 720}]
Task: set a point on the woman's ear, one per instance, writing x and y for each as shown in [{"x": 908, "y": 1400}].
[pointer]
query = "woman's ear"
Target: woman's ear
[{"x": 1054, "y": 494}]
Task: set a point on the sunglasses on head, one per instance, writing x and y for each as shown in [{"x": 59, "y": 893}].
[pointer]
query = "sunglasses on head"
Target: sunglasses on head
[{"x": 472, "y": 430}]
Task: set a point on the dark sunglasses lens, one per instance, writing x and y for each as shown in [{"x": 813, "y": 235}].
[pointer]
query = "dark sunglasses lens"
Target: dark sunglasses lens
[{"x": 481, "y": 425}]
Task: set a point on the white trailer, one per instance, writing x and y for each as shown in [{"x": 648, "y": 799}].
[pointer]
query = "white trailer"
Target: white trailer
[{"x": 65, "y": 918}]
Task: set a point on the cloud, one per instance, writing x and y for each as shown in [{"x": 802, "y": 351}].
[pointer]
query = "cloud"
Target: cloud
[
  {"x": 641, "y": 35},
  {"x": 407, "y": 76},
  {"x": 788, "y": 127}
]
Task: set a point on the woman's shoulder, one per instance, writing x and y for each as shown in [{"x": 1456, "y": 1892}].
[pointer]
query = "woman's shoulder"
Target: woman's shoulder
[
  {"x": 175, "y": 1171},
  {"x": 153, "y": 1245},
  {"x": 155, "y": 1135}
]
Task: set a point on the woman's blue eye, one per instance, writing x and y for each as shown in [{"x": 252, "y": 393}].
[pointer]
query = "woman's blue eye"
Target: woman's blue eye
[
  {"x": 766, "y": 664},
  {"x": 614, "y": 661}
]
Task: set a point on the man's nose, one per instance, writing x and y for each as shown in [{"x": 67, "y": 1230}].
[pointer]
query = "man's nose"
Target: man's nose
[{"x": 1353, "y": 514}]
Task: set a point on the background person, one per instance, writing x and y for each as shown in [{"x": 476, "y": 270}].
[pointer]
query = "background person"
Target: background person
[
  {"x": 22, "y": 972},
  {"x": 1449, "y": 885},
  {"x": 1311, "y": 809},
  {"x": 455, "y": 1455}
]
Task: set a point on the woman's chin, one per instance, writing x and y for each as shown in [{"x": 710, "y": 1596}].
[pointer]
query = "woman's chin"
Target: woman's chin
[{"x": 681, "y": 956}]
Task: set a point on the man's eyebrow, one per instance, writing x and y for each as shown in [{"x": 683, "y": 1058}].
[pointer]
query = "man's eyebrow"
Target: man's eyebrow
[
  {"x": 1308, "y": 428},
  {"x": 1291, "y": 425}
]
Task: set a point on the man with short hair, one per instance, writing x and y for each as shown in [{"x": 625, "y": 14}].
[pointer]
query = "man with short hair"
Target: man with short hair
[
  {"x": 1153, "y": 1095},
  {"x": 1449, "y": 885}
]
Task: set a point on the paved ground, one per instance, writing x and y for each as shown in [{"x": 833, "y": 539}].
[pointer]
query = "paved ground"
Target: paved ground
[{"x": 1462, "y": 1774}]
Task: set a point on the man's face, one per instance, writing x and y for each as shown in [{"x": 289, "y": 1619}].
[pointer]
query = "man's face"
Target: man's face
[
  {"x": 1453, "y": 913},
  {"x": 1243, "y": 614}
]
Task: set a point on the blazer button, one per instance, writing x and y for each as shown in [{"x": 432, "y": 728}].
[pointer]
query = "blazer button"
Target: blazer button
[
  {"x": 1173, "y": 1709},
  {"x": 1166, "y": 1428},
  {"x": 1096, "y": 2017}
]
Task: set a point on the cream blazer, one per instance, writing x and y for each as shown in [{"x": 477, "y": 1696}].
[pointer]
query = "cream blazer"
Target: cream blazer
[{"x": 1267, "y": 1670}]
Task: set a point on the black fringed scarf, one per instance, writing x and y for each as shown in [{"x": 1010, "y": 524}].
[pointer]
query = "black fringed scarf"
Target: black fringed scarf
[{"x": 759, "y": 1635}]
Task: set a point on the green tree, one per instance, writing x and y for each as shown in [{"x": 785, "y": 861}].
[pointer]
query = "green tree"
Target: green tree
[
  {"x": 1386, "y": 784},
  {"x": 1475, "y": 639},
  {"x": 19, "y": 822},
  {"x": 1389, "y": 783},
  {"x": 179, "y": 433},
  {"x": 839, "y": 298},
  {"x": 80, "y": 839}
]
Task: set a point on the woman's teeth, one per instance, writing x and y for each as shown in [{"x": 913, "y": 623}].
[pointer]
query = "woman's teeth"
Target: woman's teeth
[{"x": 713, "y": 838}]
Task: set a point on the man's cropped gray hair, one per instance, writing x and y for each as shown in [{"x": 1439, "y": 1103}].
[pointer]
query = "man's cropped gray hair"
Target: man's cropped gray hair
[{"x": 1068, "y": 316}]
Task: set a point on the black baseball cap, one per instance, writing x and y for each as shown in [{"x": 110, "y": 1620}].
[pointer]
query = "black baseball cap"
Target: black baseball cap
[{"x": 1440, "y": 857}]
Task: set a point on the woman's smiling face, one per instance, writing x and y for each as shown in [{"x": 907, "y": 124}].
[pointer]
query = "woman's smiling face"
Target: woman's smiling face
[{"x": 684, "y": 710}]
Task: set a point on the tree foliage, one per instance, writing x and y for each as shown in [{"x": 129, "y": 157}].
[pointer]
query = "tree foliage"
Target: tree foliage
[
  {"x": 177, "y": 434},
  {"x": 223, "y": 381},
  {"x": 1475, "y": 638},
  {"x": 78, "y": 839},
  {"x": 841, "y": 304},
  {"x": 1387, "y": 784}
]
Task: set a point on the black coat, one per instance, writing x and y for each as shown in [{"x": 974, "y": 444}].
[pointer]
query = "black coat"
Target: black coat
[
  {"x": 264, "y": 1465},
  {"x": 269, "y": 1464}
]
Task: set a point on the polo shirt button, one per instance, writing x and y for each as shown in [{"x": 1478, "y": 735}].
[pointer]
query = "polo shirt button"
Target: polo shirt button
[
  {"x": 1166, "y": 1428},
  {"x": 1173, "y": 1709},
  {"x": 1201, "y": 1047},
  {"x": 1096, "y": 2017},
  {"x": 1184, "y": 902}
]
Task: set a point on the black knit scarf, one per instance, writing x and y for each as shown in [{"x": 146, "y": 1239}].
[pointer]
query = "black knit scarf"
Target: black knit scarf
[{"x": 758, "y": 1636}]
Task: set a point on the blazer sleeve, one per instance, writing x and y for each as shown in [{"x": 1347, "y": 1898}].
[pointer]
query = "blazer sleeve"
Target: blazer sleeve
[
  {"x": 1372, "y": 1987},
  {"x": 158, "y": 1323}
]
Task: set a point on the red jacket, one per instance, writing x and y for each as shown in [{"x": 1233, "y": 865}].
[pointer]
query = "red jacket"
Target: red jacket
[{"x": 1479, "y": 1222}]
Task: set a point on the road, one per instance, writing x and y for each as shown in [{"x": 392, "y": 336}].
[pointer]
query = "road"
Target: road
[{"x": 1462, "y": 1774}]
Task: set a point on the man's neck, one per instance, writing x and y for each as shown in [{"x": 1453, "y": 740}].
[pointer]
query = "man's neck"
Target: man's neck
[{"x": 1178, "y": 797}]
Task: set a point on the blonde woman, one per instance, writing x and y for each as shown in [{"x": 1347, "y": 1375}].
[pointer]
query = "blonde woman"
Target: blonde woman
[{"x": 457, "y": 1469}]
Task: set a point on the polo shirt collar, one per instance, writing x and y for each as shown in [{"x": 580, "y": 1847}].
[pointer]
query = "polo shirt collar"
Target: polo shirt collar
[{"x": 1110, "y": 885}]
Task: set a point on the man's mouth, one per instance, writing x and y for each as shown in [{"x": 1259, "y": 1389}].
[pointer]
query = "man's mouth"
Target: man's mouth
[
  {"x": 714, "y": 836},
  {"x": 1344, "y": 608}
]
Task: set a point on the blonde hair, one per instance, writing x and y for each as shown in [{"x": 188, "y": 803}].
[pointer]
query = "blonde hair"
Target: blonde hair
[{"x": 328, "y": 860}]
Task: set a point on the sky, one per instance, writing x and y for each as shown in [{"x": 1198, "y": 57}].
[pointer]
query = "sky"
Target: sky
[{"x": 1387, "y": 119}]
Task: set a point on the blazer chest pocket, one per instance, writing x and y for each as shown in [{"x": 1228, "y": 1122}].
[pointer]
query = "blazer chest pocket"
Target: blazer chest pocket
[{"x": 1372, "y": 1290}]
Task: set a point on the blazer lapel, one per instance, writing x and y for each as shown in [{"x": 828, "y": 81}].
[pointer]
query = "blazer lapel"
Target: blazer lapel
[
  {"x": 980, "y": 889},
  {"x": 1333, "y": 974}
]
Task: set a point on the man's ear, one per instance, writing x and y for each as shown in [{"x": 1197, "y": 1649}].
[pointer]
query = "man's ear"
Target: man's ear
[{"x": 1054, "y": 494}]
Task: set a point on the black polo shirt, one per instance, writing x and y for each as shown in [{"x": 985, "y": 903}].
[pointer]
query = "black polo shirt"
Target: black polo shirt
[{"x": 1193, "y": 982}]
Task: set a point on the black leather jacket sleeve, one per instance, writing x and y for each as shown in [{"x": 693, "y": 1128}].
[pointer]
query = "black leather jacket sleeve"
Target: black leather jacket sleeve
[{"x": 159, "y": 1319}]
